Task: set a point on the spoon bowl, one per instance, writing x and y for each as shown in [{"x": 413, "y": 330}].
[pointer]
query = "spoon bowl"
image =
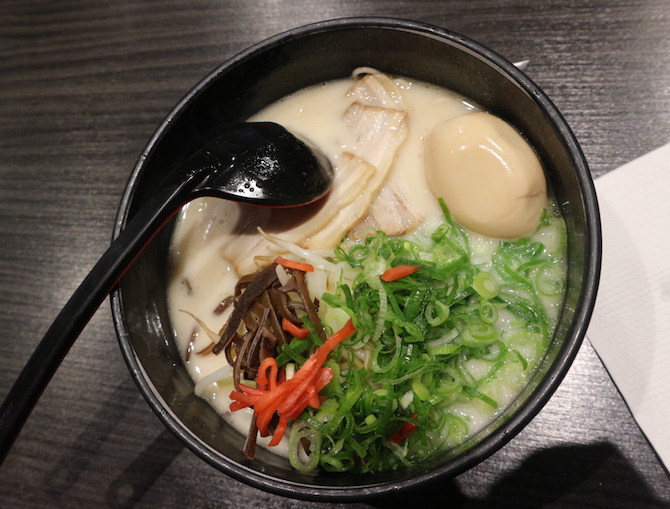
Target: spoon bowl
[
  {"x": 259, "y": 163},
  {"x": 249, "y": 162}
]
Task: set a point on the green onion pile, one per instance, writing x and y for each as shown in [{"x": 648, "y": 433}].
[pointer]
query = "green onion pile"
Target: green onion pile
[{"x": 444, "y": 334}]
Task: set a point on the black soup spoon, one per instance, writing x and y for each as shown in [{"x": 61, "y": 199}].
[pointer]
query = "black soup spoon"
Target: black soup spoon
[{"x": 256, "y": 163}]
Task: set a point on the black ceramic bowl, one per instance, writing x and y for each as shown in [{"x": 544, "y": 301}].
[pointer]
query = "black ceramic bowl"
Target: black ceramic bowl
[{"x": 258, "y": 77}]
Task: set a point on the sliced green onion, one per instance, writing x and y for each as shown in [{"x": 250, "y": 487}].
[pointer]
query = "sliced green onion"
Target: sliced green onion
[
  {"x": 479, "y": 333},
  {"x": 444, "y": 339},
  {"x": 457, "y": 428},
  {"x": 488, "y": 311},
  {"x": 521, "y": 359},
  {"x": 370, "y": 419},
  {"x": 292, "y": 351},
  {"x": 360, "y": 451},
  {"x": 289, "y": 370},
  {"x": 486, "y": 285},
  {"x": 444, "y": 349},
  {"x": 335, "y": 318},
  {"x": 436, "y": 313},
  {"x": 550, "y": 280},
  {"x": 301, "y": 458},
  {"x": 435, "y": 399},
  {"x": 327, "y": 411},
  {"x": 420, "y": 390},
  {"x": 420, "y": 344},
  {"x": 406, "y": 399},
  {"x": 374, "y": 362},
  {"x": 479, "y": 395}
]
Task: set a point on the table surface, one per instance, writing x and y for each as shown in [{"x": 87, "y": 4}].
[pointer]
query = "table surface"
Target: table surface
[{"x": 83, "y": 85}]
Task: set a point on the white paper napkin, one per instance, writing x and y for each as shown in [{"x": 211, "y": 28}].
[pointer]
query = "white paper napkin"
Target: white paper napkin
[{"x": 630, "y": 329}]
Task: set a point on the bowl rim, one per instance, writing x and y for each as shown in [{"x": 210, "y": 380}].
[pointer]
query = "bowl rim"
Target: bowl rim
[{"x": 530, "y": 407}]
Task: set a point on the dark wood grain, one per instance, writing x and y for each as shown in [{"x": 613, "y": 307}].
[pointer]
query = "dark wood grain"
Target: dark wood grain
[{"x": 83, "y": 84}]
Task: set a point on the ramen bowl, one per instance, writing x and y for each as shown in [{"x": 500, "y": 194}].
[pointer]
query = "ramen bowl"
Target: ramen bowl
[{"x": 260, "y": 76}]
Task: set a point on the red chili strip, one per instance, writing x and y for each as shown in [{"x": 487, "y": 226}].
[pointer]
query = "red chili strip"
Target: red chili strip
[
  {"x": 291, "y": 328},
  {"x": 399, "y": 271},
  {"x": 403, "y": 431},
  {"x": 292, "y": 264}
]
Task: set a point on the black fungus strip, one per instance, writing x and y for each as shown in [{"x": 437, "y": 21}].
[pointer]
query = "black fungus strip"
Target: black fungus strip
[
  {"x": 241, "y": 353},
  {"x": 250, "y": 442},
  {"x": 269, "y": 301},
  {"x": 224, "y": 304},
  {"x": 254, "y": 289},
  {"x": 281, "y": 302},
  {"x": 247, "y": 352},
  {"x": 310, "y": 307}
]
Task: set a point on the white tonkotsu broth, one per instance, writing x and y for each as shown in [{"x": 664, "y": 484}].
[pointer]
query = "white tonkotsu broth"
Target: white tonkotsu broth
[{"x": 201, "y": 277}]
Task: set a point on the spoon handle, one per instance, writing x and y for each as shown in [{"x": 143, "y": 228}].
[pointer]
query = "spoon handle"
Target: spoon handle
[
  {"x": 74, "y": 316},
  {"x": 247, "y": 163}
]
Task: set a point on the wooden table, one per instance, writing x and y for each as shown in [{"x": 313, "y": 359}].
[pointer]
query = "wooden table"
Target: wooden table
[{"x": 83, "y": 84}]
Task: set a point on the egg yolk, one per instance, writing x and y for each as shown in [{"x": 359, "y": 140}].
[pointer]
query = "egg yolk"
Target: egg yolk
[{"x": 488, "y": 175}]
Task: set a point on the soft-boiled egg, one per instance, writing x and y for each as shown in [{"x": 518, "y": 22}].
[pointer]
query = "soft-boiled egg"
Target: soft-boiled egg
[{"x": 488, "y": 175}]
